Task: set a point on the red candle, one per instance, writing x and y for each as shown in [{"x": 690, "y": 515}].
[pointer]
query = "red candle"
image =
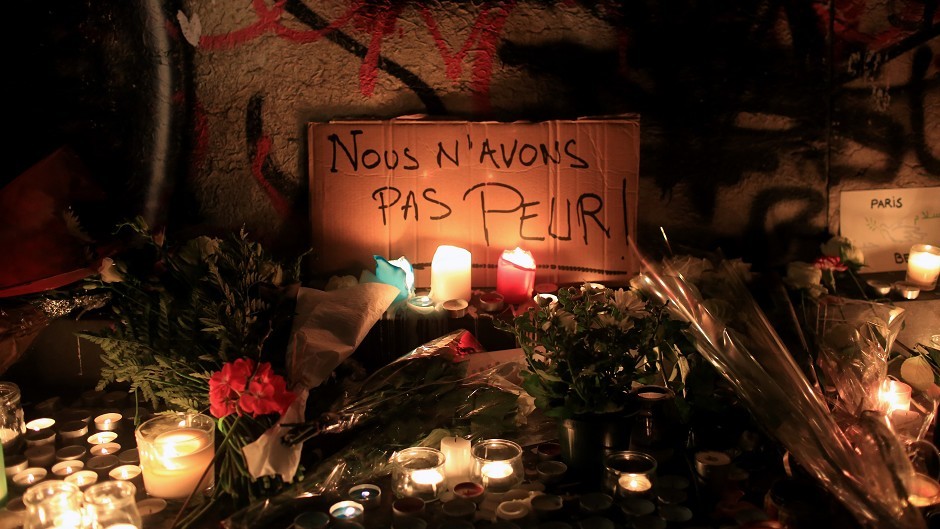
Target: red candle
[{"x": 515, "y": 276}]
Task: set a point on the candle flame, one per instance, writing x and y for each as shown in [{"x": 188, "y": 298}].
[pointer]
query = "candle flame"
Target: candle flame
[{"x": 496, "y": 469}]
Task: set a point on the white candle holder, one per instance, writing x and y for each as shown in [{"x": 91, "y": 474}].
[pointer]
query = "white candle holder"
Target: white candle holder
[
  {"x": 923, "y": 266},
  {"x": 175, "y": 451},
  {"x": 629, "y": 474},
  {"x": 497, "y": 464},
  {"x": 418, "y": 472}
]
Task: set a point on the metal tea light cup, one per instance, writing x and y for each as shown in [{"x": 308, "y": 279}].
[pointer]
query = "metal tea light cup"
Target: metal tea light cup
[{"x": 629, "y": 474}]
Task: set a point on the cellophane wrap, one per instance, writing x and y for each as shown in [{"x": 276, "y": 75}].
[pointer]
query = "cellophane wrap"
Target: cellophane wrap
[
  {"x": 418, "y": 399},
  {"x": 864, "y": 470},
  {"x": 853, "y": 338}
]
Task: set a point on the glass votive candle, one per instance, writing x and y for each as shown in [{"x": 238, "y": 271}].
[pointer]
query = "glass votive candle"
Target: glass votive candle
[
  {"x": 65, "y": 468},
  {"x": 101, "y": 438},
  {"x": 12, "y": 425},
  {"x": 53, "y": 504},
  {"x": 497, "y": 464},
  {"x": 367, "y": 494},
  {"x": 176, "y": 451},
  {"x": 112, "y": 504},
  {"x": 629, "y": 474},
  {"x": 418, "y": 472},
  {"x": 895, "y": 395},
  {"x": 347, "y": 511},
  {"x": 82, "y": 478},
  {"x": 107, "y": 422},
  {"x": 923, "y": 266}
]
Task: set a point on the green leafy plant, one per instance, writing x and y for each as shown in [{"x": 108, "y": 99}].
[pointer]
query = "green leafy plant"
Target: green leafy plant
[
  {"x": 182, "y": 313},
  {"x": 587, "y": 350}
]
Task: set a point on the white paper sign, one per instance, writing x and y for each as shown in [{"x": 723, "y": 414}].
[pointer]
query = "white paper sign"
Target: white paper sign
[{"x": 885, "y": 223}]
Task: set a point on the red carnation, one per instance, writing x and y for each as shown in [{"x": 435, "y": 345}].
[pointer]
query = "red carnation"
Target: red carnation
[
  {"x": 244, "y": 387},
  {"x": 831, "y": 264}
]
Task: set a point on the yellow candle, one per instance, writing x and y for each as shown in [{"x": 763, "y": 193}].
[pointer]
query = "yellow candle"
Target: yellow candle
[{"x": 176, "y": 460}]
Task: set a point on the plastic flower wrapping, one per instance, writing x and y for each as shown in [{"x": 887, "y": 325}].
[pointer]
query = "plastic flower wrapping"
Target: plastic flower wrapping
[
  {"x": 430, "y": 393},
  {"x": 861, "y": 463}
]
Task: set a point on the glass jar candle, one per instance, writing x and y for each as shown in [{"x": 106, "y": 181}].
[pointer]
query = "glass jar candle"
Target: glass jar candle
[
  {"x": 175, "y": 451},
  {"x": 12, "y": 425},
  {"x": 418, "y": 472},
  {"x": 497, "y": 464},
  {"x": 112, "y": 504},
  {"x": 53, "y": 504},
  {"x": 923, "y": 266}
]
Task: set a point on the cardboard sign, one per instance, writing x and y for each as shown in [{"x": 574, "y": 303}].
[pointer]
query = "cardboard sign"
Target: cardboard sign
[
  {"x": 564, "y": 190},
  {"x": 885, "y": 223}
]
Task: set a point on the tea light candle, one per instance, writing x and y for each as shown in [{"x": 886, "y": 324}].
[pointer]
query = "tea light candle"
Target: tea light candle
[
  {"x": 923, "y": 266},
  {"x": 15, "y": 464},
  {"x": 151, "y": 506},
  {"x": 450, "y": 274},
  {"x": 311, "y": 520},
  {"x": 71, "y": 452},
  {"x": 130, "y": 473},
  {"x": 40, "y": 456},
  {"x": 595, "y": 502},
  {"x": 630, "y": 484},
  {"x": 551, "y": 471},
  {"x": 457, "y": 459},
  {"x": 130, "y": 457},
  {"x": 40, "y": 424},
  {"x": 65, "y": 468},
  {"x": 40, "y": 437},
  {"x": 72, "y": 431},
  {"x": 468, "y": 491},
  {"x": 407, "y": 506},
  {"x": 101, "y": 438},
  {"x": 459, "y": 509},
  {"x": 492, "y": 302},
  {"x": 74, "y": 414},
  {"x": 29, "y": 477},
  {"x": 347, "y": 511},
  {"x": 107, "y": 422},
  {"x": 906, "y": 289},
  {"x": 421, "y": 304},
  {"x": 455, "y": 308},
  {"x": 367, "y": 494},
  {"x": 895, "y": 395},
  {"x": 105, "y": 449},
  {"x": 102, "y": 465},
  {"x": 515, "y": 275},
  {"x": 83, "y": 478}
]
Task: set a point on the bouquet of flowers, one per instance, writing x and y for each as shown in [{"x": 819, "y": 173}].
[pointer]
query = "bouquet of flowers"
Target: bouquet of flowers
[
  {"x": 585, "y": 351},
  {"x": 193, "y": 332},
  {"x": 862, "y": 463}
]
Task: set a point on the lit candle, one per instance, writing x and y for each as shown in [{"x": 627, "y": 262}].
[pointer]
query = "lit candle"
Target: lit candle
[
  {"x": 923, "y": 266},
  {"x": 151, "y": 506},
  {"x": 348, "y": 511},
  {"x": 367, "y": 495},
  {"x": 450, "y": 274},
  {"x": 175, "y": 461},
  {"x": 105, "y": 449},
  {"x": 40, "y": 424},
  {"x": 895, "y": 395},
  {"x": 29, "y": 477},
  {"x": 496, "y": 470},
  {"x": 457, "y": 459},
  {"x": 82, "y": 478},
  {"x": 101, "y": 438},
  {"x": 497, "y": 464},
  {"x": 107, "y": 422},
  {"x": 40, "y": 437},
  {"x": 418, "y": 472},
  {"x": 102, "y": 465},
  {"x": 65, "y": 468},
  {"x": 515, "y": 275},
  {"x": 633, "y": 484},
  {"x": 427, "y": 476},
  {"x": 130, "y": 473}
]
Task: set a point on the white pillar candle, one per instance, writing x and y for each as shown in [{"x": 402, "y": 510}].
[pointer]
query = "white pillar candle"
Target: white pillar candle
[
  {"x": 457, "y": 460},
  {"x": 450, "y": 274},
  {"x": 923, "y": 266}
]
